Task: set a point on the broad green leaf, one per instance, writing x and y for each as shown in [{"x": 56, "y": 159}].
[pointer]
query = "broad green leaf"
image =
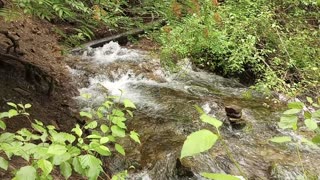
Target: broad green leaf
[
  {"x": 309, "y": 99},
  {"x": 74, "y": 151},
  {"x": 316, "y": 114},
  {"x": 4, "y": 115},
  {"x": 91, "y": 125},
  {"x": 26, "y": 106},
  {"x": 92, "y": 164},
  {"x": 77, "y": 166},
  {"x": 316, "y": 139},
  {"x": 58, "y": 159},
  {"x": 103, "y": 150},
  {"x": 38, "y": 128},
  {"x": 26, "y": 173},
  {"x": 311, "y": 124},
  {"x": 213, "y": 121},
  {"x": 77, "y": 130},
  {"x": 12, "y": 113},
  {"x": 295, "y": 105},
  {"x": 86, "y": 114},
  {"x": 281, "y": 139},
  {"x": 129, "y": 104},
  {"x": 307, "y": 115},
  {"x": 288, "y": 122},
  {"x": 215, "y": 176},
  {"x": 198, "y": 142},
  {"x": 12, "y": 105},
  {"x": 117, "y": 112},
  {"x": 6, "y": 137},
  {"x": 45, "y": 166},
  {"x": 57, "y": 149},
  {"x": 3, "y": 163},
  {"x": 104, "y": 140},
  {"x": 292, "y": 111},
  {"x": 65, "y": 169},
  {"x": 3, "y": 125},
  {"x": 135, "y": 136},
  {"x": 104, "y": 128},
  {"x": 117, "y": 131},
  {"x": 120, "y": 149}
]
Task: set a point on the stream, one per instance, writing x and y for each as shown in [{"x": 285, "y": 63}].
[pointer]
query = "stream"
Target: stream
[{"x": 166, "y": 114}]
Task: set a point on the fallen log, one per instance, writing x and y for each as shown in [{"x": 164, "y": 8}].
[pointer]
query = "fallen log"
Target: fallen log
[{"x": 122, "y": 37}]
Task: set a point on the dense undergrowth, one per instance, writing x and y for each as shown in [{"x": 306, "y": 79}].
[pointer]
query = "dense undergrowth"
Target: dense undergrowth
[{"x": 274, "y": 43}]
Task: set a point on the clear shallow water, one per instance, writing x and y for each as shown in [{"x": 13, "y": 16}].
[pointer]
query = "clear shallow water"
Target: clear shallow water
[{"x": 166, "y": 115}]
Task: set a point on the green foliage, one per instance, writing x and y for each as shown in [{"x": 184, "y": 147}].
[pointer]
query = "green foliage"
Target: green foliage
[
  {"x": 274, "y": 41},
  {"x": 203, "y": 140},
  {"x": 45, "y": 148}
]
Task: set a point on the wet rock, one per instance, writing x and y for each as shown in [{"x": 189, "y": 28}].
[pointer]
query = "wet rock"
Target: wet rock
[
  {"x": 237, "y": 123},
  {"x": 233, "y": 111}
]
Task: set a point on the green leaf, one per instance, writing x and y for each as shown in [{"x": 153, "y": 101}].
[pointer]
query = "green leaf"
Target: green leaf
[
  {"x": 104, "y": 140},
  {"x": 3, "y": 125},
  {"x": 307, "y": 115},
  {"x": 129, "y": 104},
  {"x": 120, "y": 176},
  {"x": 120, "y": 149},
  {"x": 288, "y": 122},
  {"x": 65, "y": 169},
  {"x": 91, "y": 125},
  {"x": 213, "y": 121},
  {"x": 316, "y": 114},
  {"x": 281, "y": 139},
  {"x": 215, "y": 176},
  {"x": 295, "y": 105},
  {"x": 45, "y": 166},
  {"x": 311, "y": 124},
  {"x": 130, "y": 113},
  {"x": 86, "y": 114},
  {"x": 77, "y": 166},
  {"x": 58, "y": 159},
  {"x": 93, "y": 136},
  {"x": 86, "y": 96},
  {"x": 198, "y": 142},
  {"x": 77, "y": 130},
  {"x": 12, "y": 113},
  {"x": 57, "y": 149},
  {"x": 26, "y": 173},
  {"x": 3, "y": 163},
  {"x": 316, "y": 139},
  {"x": 104, "y": 128},
  {"x": 135, "y": 136},
  {"x": 12, "y": 105},
  {"x": 309, "y": 99},
  {"x": 117, "y": 131},
  {"x": 199, "y": 109},
  {"x": 92, "y": 164},
  {"x": 292, "y": 111},
  {"x": 26, "y": 106},
  {"x": 117, "y": 112}
]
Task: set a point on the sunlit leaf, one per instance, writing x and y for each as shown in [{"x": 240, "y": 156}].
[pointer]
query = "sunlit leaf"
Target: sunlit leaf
[
  {"x": 12, "y": 113},
  {"x": 104, "y": 128},
  {"x": 104, "y": 140},
  {"x": 3, "y": 163},
  {"x": 292, "y": 111},
  {"x": 26, "y": 106},
  {"x": 216, "y": 176},
  {"x": 295, "y": 105},
  {"x": 213, "y": 121},
  {"x": 86, "y": 114},
  {"x": 117, "y": 131},
  {"x": 26, "y": 173},
  {"x": 311, "y": 124},
  {"x": 2, "y": 125},
  {"x": 65, "y": 169},
  {"x": 288, "y": 122},
  {"x": 129, "y": 104},
  {"x": 91, "y": 125},
  {"x": 198, "y": 142},
  {"x": 45, "y": 166},
  {"x": 281, "y": 139},
  {"x": 12, "y": 105},
  {"x": 135, "y": 136},
  {"x": 57, "y": 149},
  {"x": 120, "y": 149}
]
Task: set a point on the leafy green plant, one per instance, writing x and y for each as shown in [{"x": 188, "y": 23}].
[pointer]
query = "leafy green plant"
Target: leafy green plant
[
  {"x": 203, "y": 140},
  {"x": 44, "y": 148},
  {"x": 309, "y": 113}
]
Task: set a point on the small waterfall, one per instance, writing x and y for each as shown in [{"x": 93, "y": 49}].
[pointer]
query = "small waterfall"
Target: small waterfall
[{"x": 166, "y": 115}]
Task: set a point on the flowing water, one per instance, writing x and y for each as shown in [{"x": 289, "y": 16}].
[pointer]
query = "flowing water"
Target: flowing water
[{"x": 166, "y": 115}]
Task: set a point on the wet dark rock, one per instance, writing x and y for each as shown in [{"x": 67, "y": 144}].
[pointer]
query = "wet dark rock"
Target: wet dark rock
[
  {"x": 237, "y": 123},
  {"x": 233, "y": 111},
  {"x": 183, "y": 171}
]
